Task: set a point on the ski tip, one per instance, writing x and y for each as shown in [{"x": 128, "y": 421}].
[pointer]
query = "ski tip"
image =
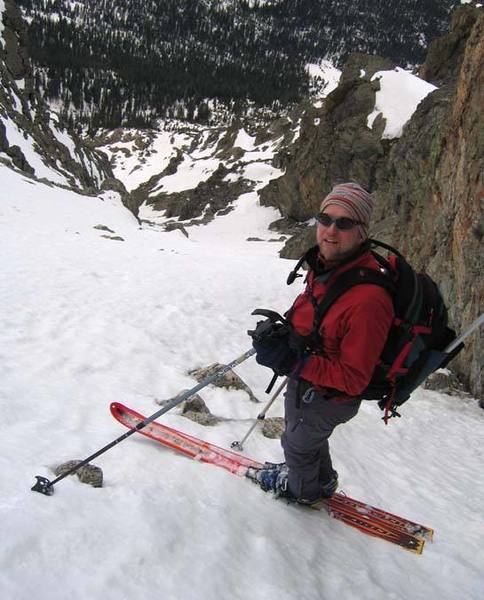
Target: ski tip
[{"x": 116, "y": 409}]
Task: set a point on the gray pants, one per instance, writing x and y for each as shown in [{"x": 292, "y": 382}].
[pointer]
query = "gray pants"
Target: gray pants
[{"x": 305, "y": 439}]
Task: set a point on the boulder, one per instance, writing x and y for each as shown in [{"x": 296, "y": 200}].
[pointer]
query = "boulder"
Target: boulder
[
  {"x": 87, "y": 474},
  {"x": 229, "y": 381}
]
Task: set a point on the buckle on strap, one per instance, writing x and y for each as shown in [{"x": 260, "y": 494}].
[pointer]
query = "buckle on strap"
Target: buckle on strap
[
  {"x": 308, "y": 395},
  {"x": 305, "y": 392}
]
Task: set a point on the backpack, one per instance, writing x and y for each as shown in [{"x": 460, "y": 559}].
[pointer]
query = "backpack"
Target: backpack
[{"x": 417, "y": 337}]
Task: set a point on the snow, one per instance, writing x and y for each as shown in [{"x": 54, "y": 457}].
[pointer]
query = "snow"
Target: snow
[
  {"x": 327, "y": 72},
  {"x": 399, "y": 95},
  {"x": 16, "y": 137},
  {"x": 325, "y": 76},
  {"x": 133, "y": 169},
  {"x": 86, "y": 320},
  {"x": 63, "y": 136},
  {"x": 244, "y": 140},
  {"x": 261, "y": 172},
  {"x": 188, "y": 175},
  {"x": 16, "y": 100}
]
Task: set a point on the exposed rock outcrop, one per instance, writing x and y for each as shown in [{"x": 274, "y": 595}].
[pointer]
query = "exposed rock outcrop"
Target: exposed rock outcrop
[
  {"x": 229, "y": 380},
  {"x": 335, "y": 143},
  {"x": 430, "y": 193},
  {"x": 427, "y": 184},
  {"x": 31, "y": 138},
  {"x": 204, "y": 201},
  {"x": 196, "y": 410}
]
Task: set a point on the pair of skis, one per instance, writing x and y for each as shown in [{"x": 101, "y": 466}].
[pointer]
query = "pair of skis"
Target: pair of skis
[{"x": 368, "y": 519}]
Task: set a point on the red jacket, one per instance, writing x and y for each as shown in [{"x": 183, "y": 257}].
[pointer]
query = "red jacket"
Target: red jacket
[{"x": 353, "y": 331}]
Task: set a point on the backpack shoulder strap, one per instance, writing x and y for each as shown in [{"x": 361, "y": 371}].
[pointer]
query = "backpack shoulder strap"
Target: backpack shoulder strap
[
  {"x": 346, "y": 281},
  {"x": 391, "y": 249}
]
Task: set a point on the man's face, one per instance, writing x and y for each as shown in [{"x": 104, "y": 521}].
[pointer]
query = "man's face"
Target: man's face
[{"x": 334, "y": 243}]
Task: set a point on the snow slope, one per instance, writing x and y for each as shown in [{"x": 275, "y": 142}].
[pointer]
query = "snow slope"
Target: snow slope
[
  {"x": 85, "y": 320},
  {"x": 397, "y": 99}
]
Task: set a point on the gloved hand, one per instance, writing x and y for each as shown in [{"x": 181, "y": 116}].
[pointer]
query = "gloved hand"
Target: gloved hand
[{"x": 272, "y": 344}]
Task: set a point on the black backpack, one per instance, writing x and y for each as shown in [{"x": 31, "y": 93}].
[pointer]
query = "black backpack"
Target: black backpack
[{"x": 418, "y": 335}]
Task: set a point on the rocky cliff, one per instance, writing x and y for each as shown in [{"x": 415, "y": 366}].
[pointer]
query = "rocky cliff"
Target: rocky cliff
[
  {"x": 432, "y": 190},
  {"x": 427, "y": 183},
  {"x": 32, "y": 139}
]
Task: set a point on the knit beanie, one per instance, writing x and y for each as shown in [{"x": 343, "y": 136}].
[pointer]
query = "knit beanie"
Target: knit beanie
[{"x": 357, "y": 201}]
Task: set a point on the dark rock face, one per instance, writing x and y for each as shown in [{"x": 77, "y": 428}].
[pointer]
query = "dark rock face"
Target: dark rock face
[
  {"x": 198, "y": 205},
  {"x": 201, "y": 204},
  {"x": 445, "y": 54},
  {"x": 427, "y": 184},
  {"x": 335, "y": 144},
  {"x": 84, "y": 169},
  {"x": 15, "y": 53},
  {"x": 430, "y": 194}
]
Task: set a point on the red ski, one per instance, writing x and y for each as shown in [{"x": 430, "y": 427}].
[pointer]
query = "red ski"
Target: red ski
[{"x": 368, "y": 519}]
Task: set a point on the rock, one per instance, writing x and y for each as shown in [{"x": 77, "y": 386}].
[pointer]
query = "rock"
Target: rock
[
  {"x": 206, "y": 419},
  {"x": 299, "y": 243},
  {"x": 427, "y": 184},
  {"x": 171, "y": 226},
  {"x": 173, "y": 165},
  {"x": 445, "y": 54},
  {"x": 196, "y": 410},
  {"x": 195, "y": 404},
  {"x": 429, "y": 192},
  {"x": 340, "y": 147},
  {"x": 23, "y": 106},
  {"x": 229, "y": 381},
  {"x": 19, "y": 160},
  {"x": 15, "y": 33},
  {"x": 110, "y": 183},
  {"x": 113, "y": 237},
  {"x": 87, "y": 474},
  {"x": 3, "y": 138},
  {"x": 273, "y": 427},
  {"x": 443, "y": 381},
  {"x": 201, "y": 204},
  {"x": 103, "y": 228}
]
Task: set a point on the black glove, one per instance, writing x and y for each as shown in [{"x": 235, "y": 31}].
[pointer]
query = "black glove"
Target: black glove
[{"x": 272, "y": 342}]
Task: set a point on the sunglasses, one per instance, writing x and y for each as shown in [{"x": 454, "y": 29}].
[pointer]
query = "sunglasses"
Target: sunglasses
[{"x": 343, "y": 223}]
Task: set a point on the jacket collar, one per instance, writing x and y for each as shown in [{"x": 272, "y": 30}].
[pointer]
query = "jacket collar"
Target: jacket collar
[{"x": 316, "y": 264}]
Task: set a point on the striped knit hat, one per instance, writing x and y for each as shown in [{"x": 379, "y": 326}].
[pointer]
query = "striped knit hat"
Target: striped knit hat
[{"x": 357, "y": 201}]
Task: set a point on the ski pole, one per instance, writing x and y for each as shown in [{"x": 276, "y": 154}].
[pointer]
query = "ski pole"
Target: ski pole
[
  {"x": 472, "y": 327},
  {"x": 44, "y": 486},
  {"x": 260, "y": 417}
]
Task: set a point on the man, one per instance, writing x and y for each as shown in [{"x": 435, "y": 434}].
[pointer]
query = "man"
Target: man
[{"x": 340, "y": 357}]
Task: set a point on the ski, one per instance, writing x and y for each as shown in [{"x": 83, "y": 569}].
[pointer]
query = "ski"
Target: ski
[
  {"x": 364, "y": 517},
  {"x": 378, "y": 515}
]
